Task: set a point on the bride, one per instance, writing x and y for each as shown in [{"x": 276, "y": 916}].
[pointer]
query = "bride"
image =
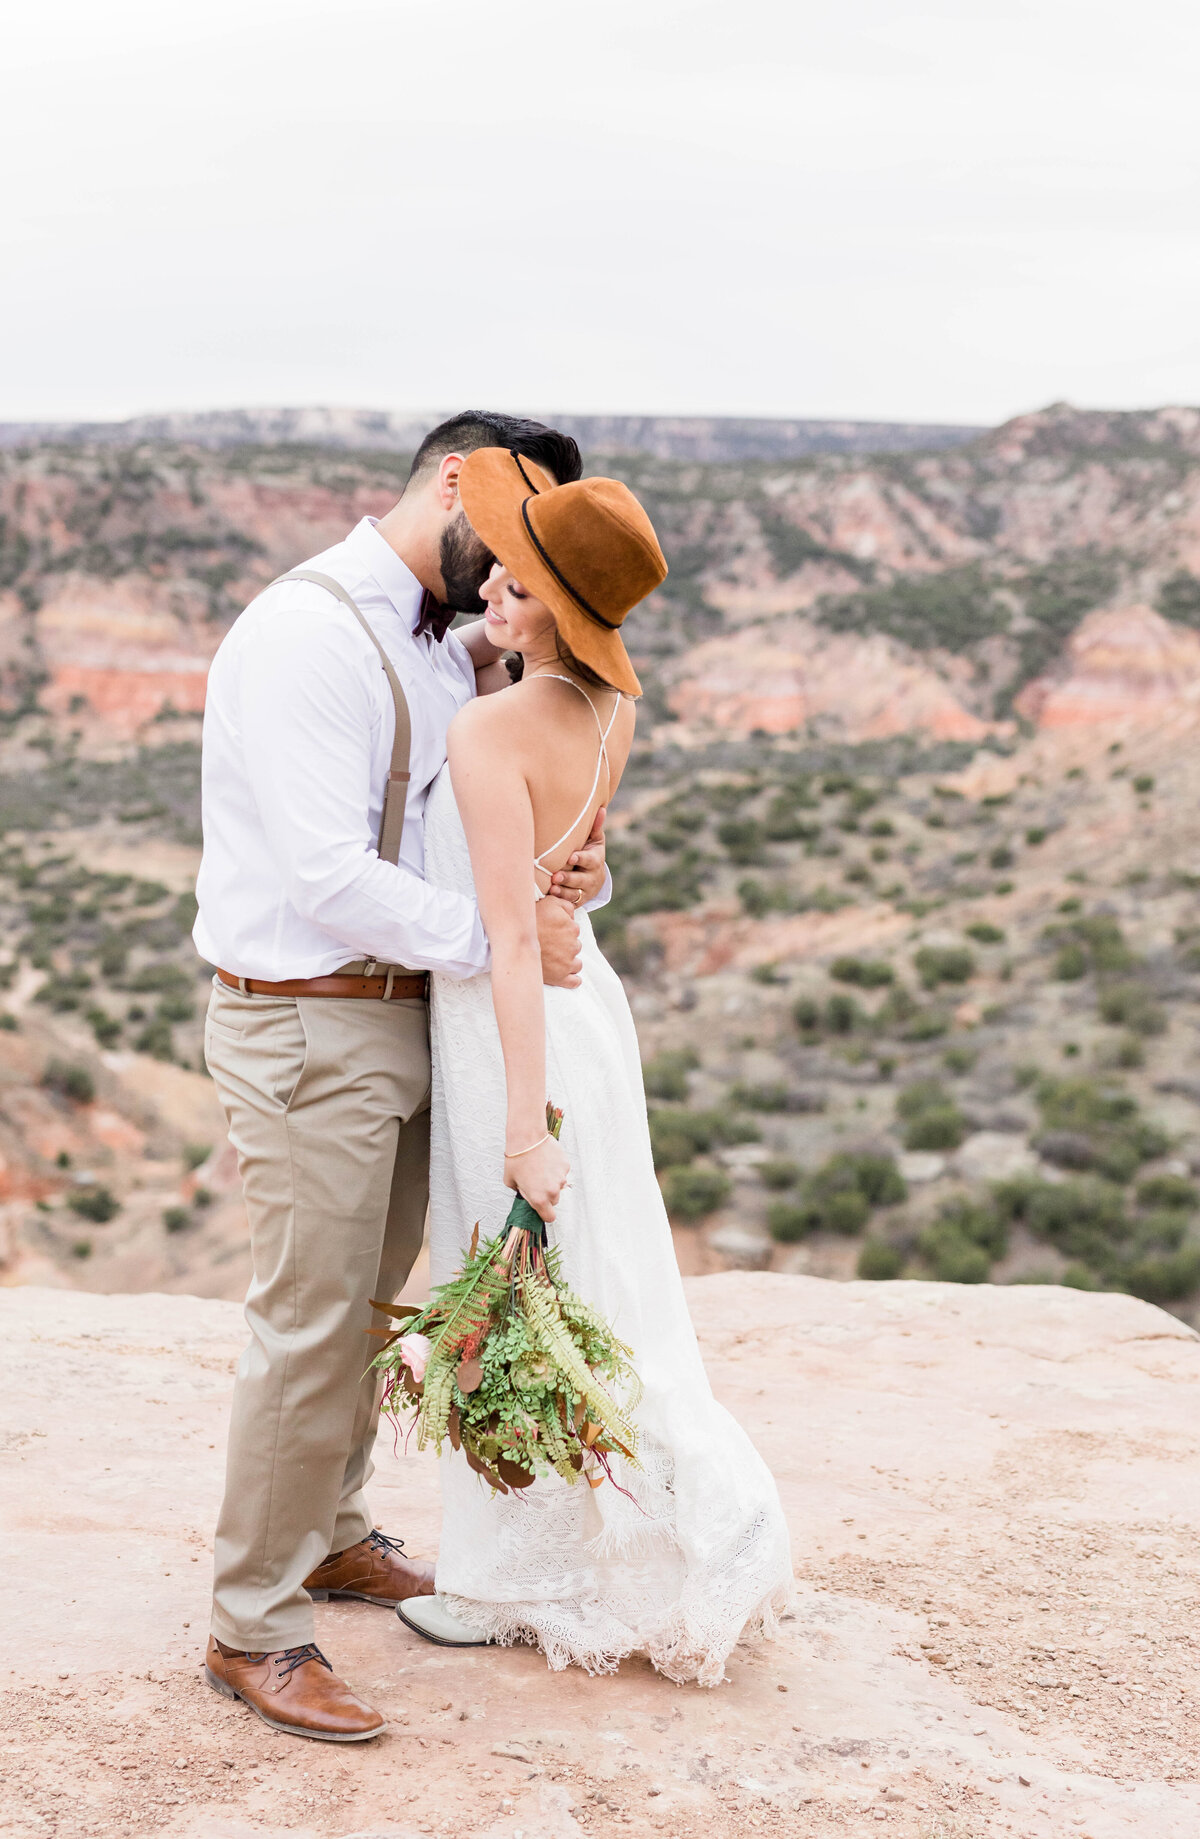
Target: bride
[{"x": 690, "y": 1551}]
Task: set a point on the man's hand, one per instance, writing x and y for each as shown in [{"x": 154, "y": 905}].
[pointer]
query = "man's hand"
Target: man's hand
[
  {"x": 582, "y": 875},
  {"x": 558, "y": 936}
]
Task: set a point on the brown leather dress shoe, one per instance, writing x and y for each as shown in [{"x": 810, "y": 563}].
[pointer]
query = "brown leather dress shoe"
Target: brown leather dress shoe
[
  {"x": 373, "y": 1571},
  {"x": 296, "y": 1692}
]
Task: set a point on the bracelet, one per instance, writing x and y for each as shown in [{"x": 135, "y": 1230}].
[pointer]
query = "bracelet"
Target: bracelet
[{"x": 511, "y": 1154}]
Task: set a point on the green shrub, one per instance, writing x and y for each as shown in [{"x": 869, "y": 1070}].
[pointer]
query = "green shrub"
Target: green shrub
[
  {"x": 941, "y": 1128},
  {"x": 842, "y": 1014},
  {"x": 71, "y": 1081},
  {"x": 772, "y": 1097},
  {"x": 984, "y": 933},
  {"x": 691, "y": 1193},
  {"x": 778, "y": 1172},
  {"x": 742, "y": 840},
  {"x": 8, "y": 1022},
  {"x": 156, "y": 1039},
  {"x": 1071, "y": 963},
  {"x": 867, "y": 973},
  {"x": 937, "y": 964},
  {"x": 959, "y": 1059},
  {"x": 845, "y": 1212},
  {"x": 806, "y": 1014},
  {"x": 105, "y": 1027},
  {"x": 163, "y": 978},
  {"x": 879, "y": 1261},
  {"x": 1144, "y": 783},
  {"x": 951, "y": 1256},
  {"x": 195, "y": 1153},
  {"x": 979, "y": 1221},
  {"x": 921, "y": 1095},
  {"x": 1119, "y": 1138},
  {"x": 1166, "y": 1279},
  {"x": 677, "y": 1134},
  {"x": 98, "y": 1204},
  {"x": 176, "y": 1218},
  {"x": 788, "y": 1220},
  {"x": 1001, "y": 857},
  {"x": 82, "y": 1248},
  {"x": 666, "y": 1075},
  {"x": 1130, "y": 1005},
  {"x": 1168, "y": 1191}
]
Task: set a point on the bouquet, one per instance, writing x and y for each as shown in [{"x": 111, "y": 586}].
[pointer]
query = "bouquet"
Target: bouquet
[{"x": 510, "y": 1365}]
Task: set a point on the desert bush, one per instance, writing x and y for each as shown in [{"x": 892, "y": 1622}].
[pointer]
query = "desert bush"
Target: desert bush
[
  {"x": 936, "y": 964},
  {"x": 943, "y": 1127},
  {"x": 742, "y": 840},
  {"x": 98, "y": 1204},
  {"x": 1071, "y": 963},
  {"x": 691, "y": 1193},
  {"x": 677, "y": 1134},
  {"x": 70, "y": 1080},
  {"x": 788, "y": 1220},
  {"x": 979, "y": 1221},
  {"x": 176, "y": 1218},
  {"x": 951, "y": 1256},
  {"x": 767, "y": 1097},
  {"x": 105, "y": 1027},
  {"x": 1144, "y": 783},
  {"x": 866, "y": 973},
  {"x": 666, "y": 1075},
  {"x": 1102, "y": 1117},
  {"x": 806, "y": 1013},
  {"x": 1130, "y": 1005},
  {"x": 156, "y": 1039},
  {"x": 984, "y": 933},
  {"x": 1163, "y": 1280},
  {"x": 194, "y": 1154},
  {"x": 1001, "y": 857},
  {"x": 779, "y": 1172},
  {"x": 842, "y": 1014},
  {"x": 879, "y": 1261},
  {"x": 1168, "y": 1191}
]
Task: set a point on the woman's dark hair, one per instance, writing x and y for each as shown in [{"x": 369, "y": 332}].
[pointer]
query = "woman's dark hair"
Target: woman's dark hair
[
  {"x": 546, "y": 447},
  {"x": 514, "y": 663}
]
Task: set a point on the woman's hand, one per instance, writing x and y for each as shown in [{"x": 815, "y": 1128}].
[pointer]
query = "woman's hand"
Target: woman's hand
[{"x": 540, "y": 1176}]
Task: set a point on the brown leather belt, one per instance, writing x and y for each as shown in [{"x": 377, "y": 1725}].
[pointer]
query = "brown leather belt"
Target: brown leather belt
[{"x": 384, "y": 986}]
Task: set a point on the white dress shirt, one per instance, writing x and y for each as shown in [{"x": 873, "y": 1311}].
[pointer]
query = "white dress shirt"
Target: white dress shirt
[{"x": 298, "y": 732}]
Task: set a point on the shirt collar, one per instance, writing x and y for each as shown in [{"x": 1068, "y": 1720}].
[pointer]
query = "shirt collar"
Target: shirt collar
[{"x": 393, "y": 576}]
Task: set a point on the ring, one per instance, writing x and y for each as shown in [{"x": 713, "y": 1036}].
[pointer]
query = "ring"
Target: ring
[{"x": 578, "y": 896}]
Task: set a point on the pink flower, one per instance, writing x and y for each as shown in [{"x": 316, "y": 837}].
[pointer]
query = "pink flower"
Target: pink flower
[{"x": 414, "y": 1351}]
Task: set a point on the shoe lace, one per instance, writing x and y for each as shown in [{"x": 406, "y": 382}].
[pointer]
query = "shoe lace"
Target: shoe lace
[
  {"x": 380, "y": 1542},
  {"x": 294, "y": 1657}
]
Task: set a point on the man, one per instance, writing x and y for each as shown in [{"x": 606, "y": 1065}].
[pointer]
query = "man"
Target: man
[{"x": 317, "y": 1035}]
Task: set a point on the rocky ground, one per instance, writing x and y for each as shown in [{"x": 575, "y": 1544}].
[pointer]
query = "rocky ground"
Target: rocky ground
[{"x": 994, "y": 1516}]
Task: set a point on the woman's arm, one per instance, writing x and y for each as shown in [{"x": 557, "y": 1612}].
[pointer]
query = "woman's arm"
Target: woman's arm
[{"x": 493, "y": 800}]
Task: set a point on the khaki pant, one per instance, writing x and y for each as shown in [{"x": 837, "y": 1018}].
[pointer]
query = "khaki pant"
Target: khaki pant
[{"x": 328, "y": 1108}]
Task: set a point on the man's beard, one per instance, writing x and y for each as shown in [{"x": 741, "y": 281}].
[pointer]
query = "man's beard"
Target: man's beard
[{"x": 466, "y": 563}]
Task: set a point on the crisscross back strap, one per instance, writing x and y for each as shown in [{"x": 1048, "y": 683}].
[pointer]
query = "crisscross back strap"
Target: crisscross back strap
[
  {"x": 396, "y": 795},
  {"x": 601, "y": 760}
]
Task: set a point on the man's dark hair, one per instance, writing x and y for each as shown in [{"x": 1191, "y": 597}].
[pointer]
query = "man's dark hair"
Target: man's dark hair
[{"x": 546, "y": 447}]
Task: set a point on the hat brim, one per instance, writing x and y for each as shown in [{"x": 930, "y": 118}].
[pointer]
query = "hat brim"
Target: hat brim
[{"x": 492, "y": 491}]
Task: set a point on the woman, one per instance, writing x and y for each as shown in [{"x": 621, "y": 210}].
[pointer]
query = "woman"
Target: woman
[{"x": 695, "y": 1549}]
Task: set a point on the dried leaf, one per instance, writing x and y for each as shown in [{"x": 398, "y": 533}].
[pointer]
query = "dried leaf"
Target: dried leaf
[
  {"x": 514, "y": 1474},
  {"x": 401, "y": 1311},
  {"x": 454, "y": 1426},
  {"x": 474, "y": 1241},
  {"x": 469, "y": 1375}
]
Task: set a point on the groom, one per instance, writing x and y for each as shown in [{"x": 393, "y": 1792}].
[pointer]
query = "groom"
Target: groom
[{"x": 314, "y": 908}]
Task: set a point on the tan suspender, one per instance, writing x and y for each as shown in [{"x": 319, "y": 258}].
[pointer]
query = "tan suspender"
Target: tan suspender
[{"x": 396, "y": 795}]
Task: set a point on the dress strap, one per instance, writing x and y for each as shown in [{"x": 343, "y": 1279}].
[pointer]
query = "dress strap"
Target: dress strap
[{"x": 601, "y": 760}]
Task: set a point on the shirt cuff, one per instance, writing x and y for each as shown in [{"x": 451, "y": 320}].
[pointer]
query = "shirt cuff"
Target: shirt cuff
[{"x": 604, "y": 896}]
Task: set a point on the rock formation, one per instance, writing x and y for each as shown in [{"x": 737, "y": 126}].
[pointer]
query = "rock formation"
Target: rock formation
[{"x": 995, "y": 1539}]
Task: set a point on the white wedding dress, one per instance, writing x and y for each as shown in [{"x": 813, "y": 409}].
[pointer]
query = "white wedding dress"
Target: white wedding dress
[{"x": 699, "y": 1556}]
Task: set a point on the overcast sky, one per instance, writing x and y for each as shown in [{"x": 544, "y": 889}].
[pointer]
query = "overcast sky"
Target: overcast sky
[{"x": 881, "y": 209}]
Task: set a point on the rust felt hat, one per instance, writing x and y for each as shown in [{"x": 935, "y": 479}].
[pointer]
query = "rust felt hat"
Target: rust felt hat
[{"x": 587, "y": 550}]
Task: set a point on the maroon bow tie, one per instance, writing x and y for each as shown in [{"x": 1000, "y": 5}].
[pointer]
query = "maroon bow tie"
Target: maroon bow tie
[{"x": 434, "y": 617}]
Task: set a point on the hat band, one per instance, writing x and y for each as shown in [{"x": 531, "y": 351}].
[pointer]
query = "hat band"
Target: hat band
[{"x": 610, "y": 625}]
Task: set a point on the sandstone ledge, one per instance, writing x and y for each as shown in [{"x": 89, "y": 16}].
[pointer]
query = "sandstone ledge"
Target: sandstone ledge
[{"x": 994, "y": 1504}]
